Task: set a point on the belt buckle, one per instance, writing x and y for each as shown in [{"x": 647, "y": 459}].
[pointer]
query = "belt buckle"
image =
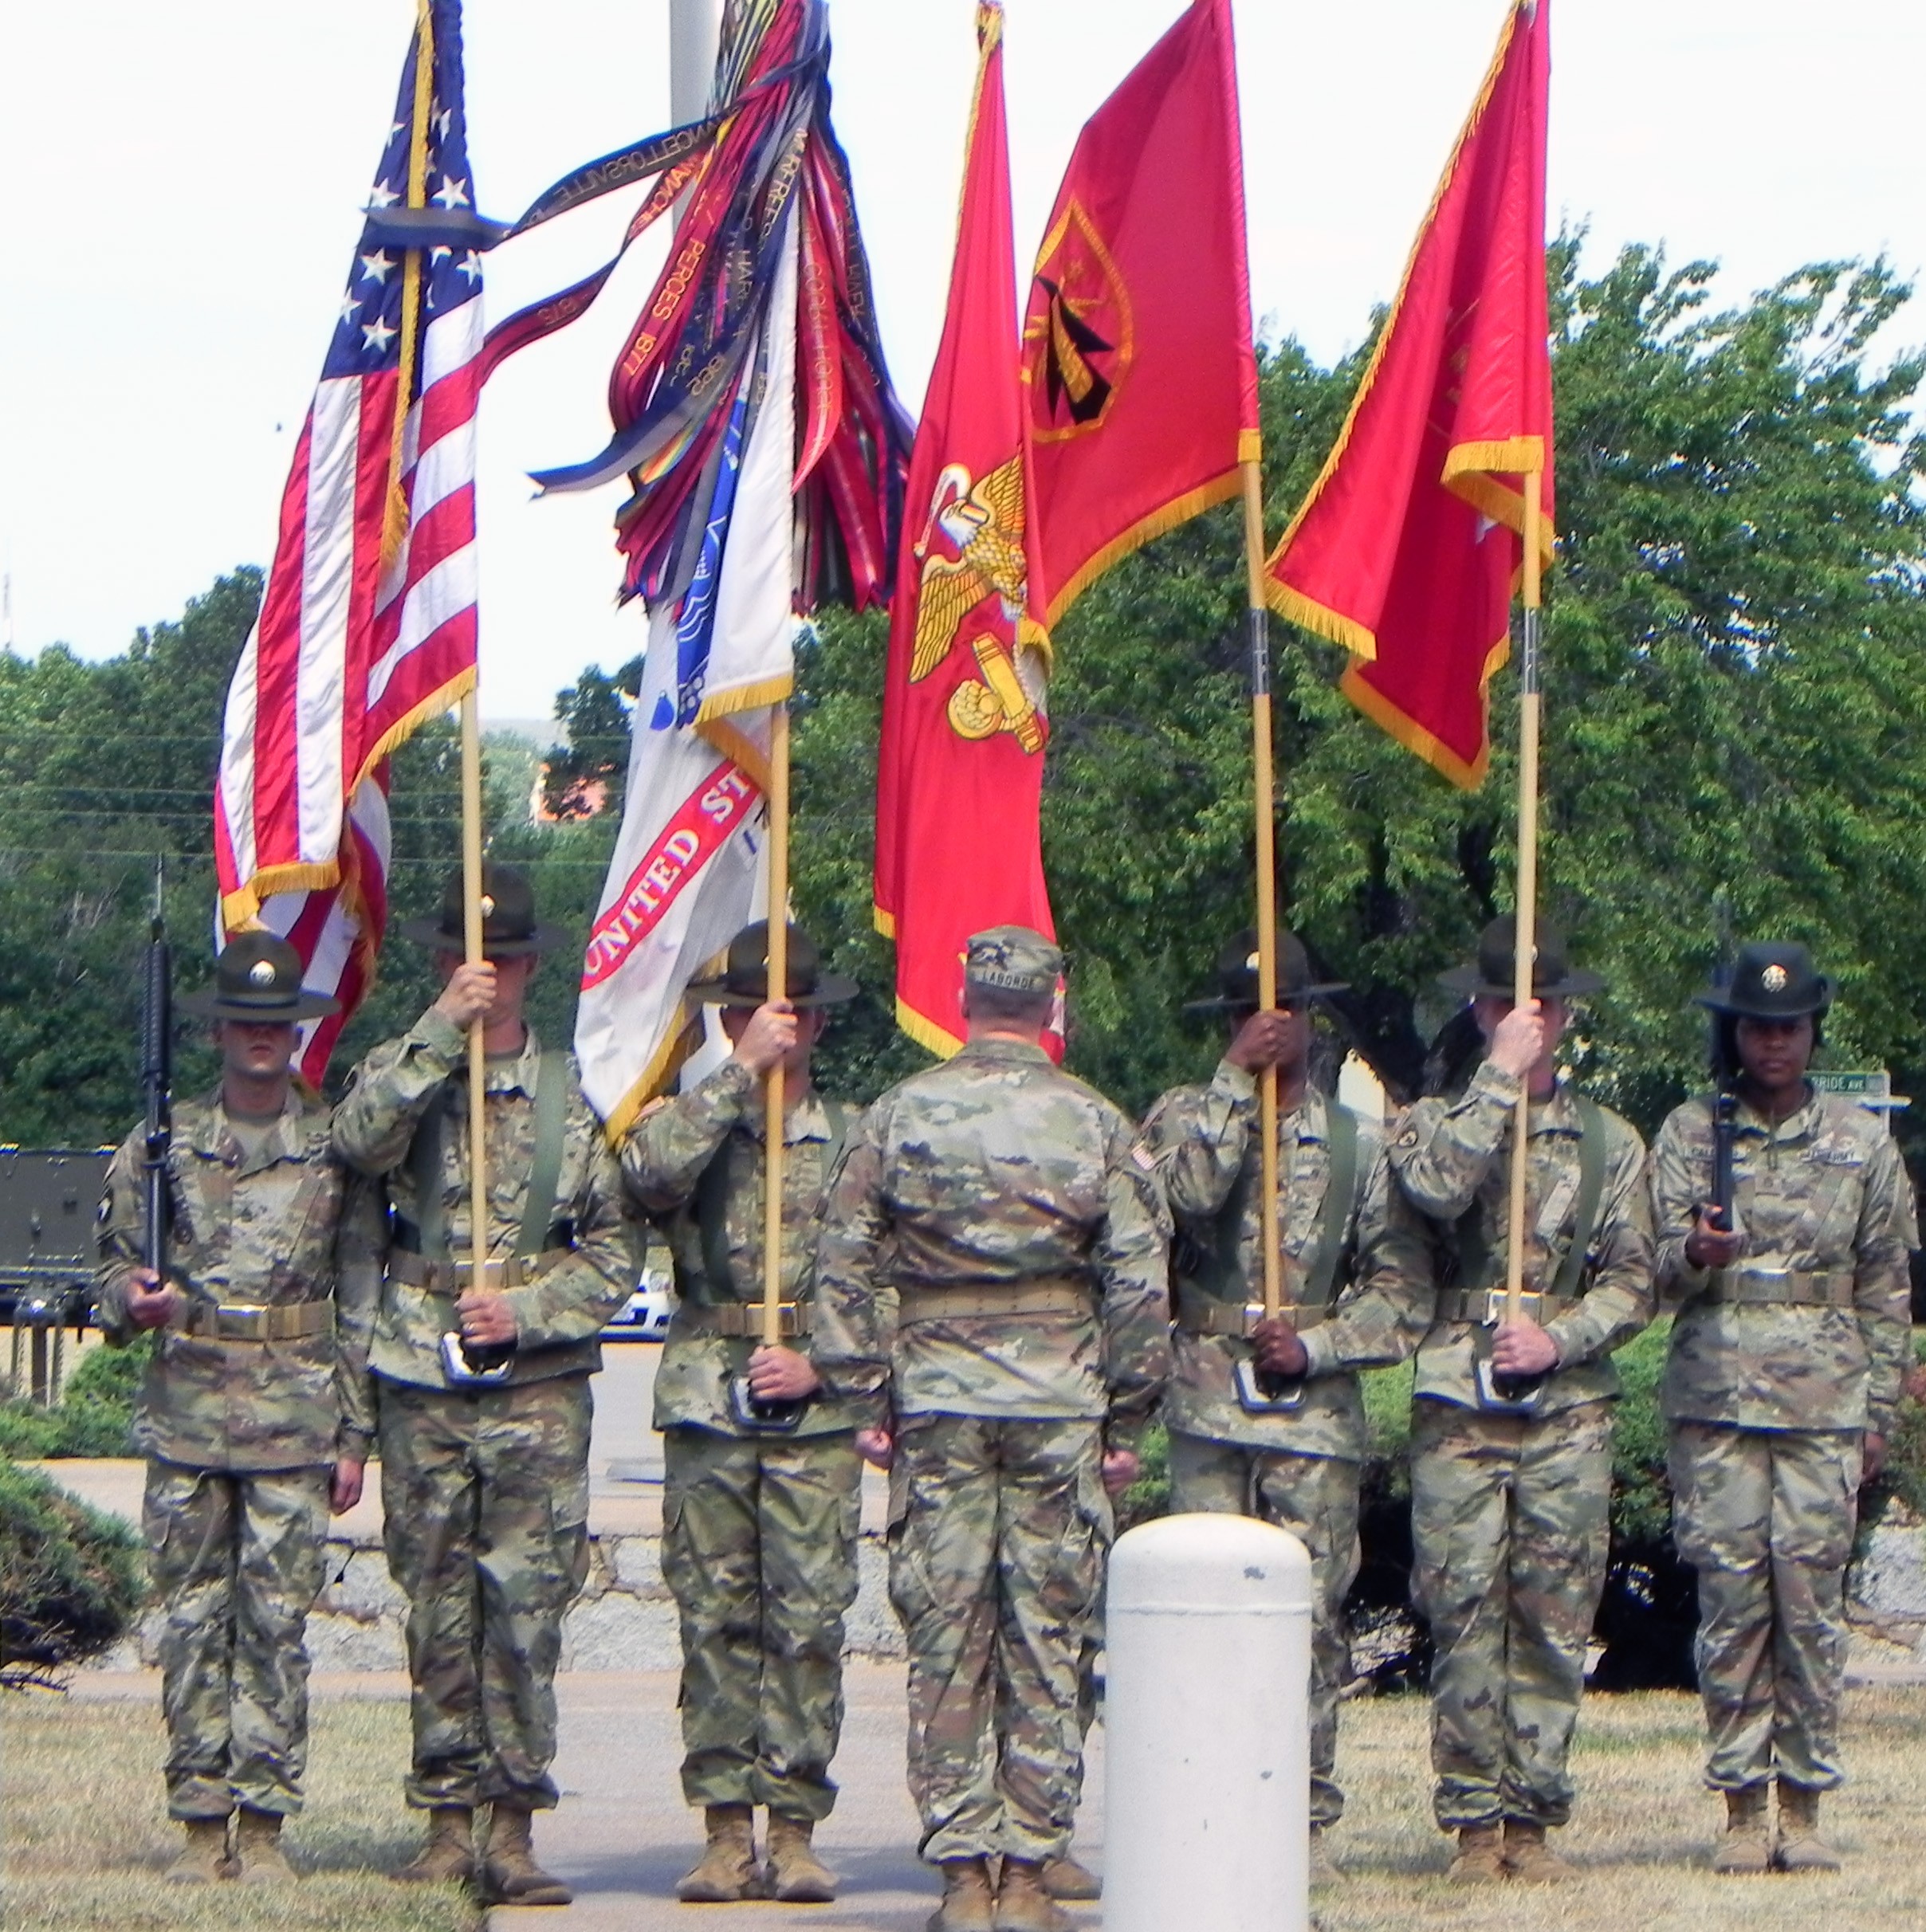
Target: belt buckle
[
  {"x": 245, "y": 1319},
  {"x": 1253, "y": 1314},
  {"x": 1495, "y": 1300}
]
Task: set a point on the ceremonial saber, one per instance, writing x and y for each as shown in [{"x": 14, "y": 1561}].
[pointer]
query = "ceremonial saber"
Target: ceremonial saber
[{"x": 1530, "y": 706}]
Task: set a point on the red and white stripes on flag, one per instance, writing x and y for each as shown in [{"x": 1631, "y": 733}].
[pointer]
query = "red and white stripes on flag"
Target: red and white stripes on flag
[{"x": 349, "y": 654}]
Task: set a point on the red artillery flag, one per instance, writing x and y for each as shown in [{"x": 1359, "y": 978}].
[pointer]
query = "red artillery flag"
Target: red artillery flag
[
  {"x": 1137, "y": 354},
  {"x": 960, "y": 776},
  {"x": 367, "y": 622},
  {"x": 1406, "y": 550}
]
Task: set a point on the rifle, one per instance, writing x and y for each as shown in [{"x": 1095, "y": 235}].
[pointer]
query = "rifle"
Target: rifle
[
  {"x": 157, "y": 1078},
  {"x": 1725, "y": 1079}
]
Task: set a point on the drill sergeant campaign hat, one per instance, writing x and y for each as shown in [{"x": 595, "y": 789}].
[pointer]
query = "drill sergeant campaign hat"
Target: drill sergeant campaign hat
[
  {"x": 1237, "y": 976},
  {"x": 745, "y": 980},
  {"x": 1013, "y": 958},
  {"x": 1771, "y": 980},
  {"x": 1491, "y": 974},
  {"x": 509, "y": 926},
  {"x": 257, "y": 979}
]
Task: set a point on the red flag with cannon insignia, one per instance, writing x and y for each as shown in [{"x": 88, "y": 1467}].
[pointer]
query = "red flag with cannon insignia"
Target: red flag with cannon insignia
[
  {"x": 960, "y": 767},
  {"x": 1406, "y": 549},
  {"x": 1140, "y": 373}
]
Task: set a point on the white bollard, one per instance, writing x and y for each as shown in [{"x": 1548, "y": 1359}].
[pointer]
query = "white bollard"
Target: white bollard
[{"x": 1206, "y": 1728}]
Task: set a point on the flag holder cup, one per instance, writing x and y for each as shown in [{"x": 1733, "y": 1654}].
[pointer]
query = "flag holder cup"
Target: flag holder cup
[
  {"x": 1261, "y": 1391},
  {"x": 758, "y": 1417}
]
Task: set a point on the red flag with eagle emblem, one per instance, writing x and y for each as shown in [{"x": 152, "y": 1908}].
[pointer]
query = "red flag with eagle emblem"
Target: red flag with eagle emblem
[
  {"x": 960, "y": 767},
  {"x": 1406, "y": 549},
  {"x": 1140, "y": 373}
]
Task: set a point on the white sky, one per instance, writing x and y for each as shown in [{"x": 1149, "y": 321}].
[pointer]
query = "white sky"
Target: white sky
[{"x": 179, "y": 187}]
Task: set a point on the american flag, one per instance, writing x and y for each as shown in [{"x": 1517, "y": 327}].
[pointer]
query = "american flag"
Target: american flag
[{"x": 367, "y": 627}]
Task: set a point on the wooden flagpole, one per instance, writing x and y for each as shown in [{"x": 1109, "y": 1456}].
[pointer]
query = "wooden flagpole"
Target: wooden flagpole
[
  {"x": 1260, "y": 633},
  {"x": 1526, "y": 917},
  {"x": 472, "y": 952},
  {"x": 773, "y": 1096}
]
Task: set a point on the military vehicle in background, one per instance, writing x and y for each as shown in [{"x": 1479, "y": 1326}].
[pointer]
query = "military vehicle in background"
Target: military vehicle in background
[{"x": 48, "y": 1201}]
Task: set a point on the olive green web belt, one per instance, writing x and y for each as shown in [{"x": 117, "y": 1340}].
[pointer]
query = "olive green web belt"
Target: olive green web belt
[
  {"x": 1019, "y": 1299},
  {"x": 1488, "y": 1305},
  {"x": 1795, "y": 1287},
  {"x": 1199, "y": 1313},
  {"x": 452, "y": 1277},
  {"x": 245, "y": 1322},
  {"x": 739, "y": 1321}
]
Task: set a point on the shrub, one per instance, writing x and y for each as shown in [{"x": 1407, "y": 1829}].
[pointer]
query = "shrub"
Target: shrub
[
  {"x": 95, "y": 1415},
  {"x": 70, "y": 1578}
]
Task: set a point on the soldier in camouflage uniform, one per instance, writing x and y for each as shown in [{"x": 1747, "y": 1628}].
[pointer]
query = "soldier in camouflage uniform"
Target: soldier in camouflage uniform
[
  {"x": 255, "y": 1415},
  {"x": 991, "y": 1294},
  {"x": 1357, "y": 1283},
  {"x": 1509, "y": 1508},
  {"x": 1792, "y": 1335},
  {"x": 484, "y": 1481},
  {"x": 759, "y": 1529}
]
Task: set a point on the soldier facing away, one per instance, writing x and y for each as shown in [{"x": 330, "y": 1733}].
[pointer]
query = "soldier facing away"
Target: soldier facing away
[
  {"x": 990, "y": 1292},
  {"x": 1793, "y": 1332},
  {"x": 759, "y": 1527},
  {"x": 1358, "y": 1295},
  {"x": 1512, "y": 1430},
  {"x": 255, "y": 1414},
  {"x": 482, "y": 1394}
]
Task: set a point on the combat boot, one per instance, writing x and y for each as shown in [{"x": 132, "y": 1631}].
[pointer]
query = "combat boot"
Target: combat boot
[
  {"x": 1022, "y": 1903},
  {"x": 258, "y": 1849},
  {"x": 1528, "y": 1857},
  {"x": 1747, "y": 1846},
  {"x": 1480, "y": 1859},
  {"x": 968, "y": 1904},
  {"x": 509, "y": 1874},
  {"x": 1800, "y": 1847},
  {"x": 203, "y": 1858},
  {"x": 794, "y": 1875},
  {"x": 1323, "y": 1871},
  {"x": 449, "y": 1856},
  {"x": 1065, "y": 1878},
  {"x": 726, "y": 1872}
]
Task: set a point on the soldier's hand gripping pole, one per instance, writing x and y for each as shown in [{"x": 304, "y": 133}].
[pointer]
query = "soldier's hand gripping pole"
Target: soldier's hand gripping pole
[{"x": 157, "y": 1078}]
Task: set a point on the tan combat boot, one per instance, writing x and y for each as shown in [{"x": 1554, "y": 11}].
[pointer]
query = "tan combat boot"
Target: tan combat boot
[
  {"x": 1747, "y": 1846},
  {"x": 1022, "y": 1905},
  {"x": 203, "y": 1858},
  {"x": 258, "y": 1850},
  {"x": 509, "y": 1874},
  {"x": 726, "y": 1872},
  {"x": 1065, "y": 1878},
  {"x": 1480, "y": 1859},
  {"x": 968, "y": 1904},
  {"x": 1528, "y": 1857},
  {"x": 449, "y": 1856},
  {"x": 1323, "y": 1871},
  {"x": 794, "y": 1874},
  {"x": 1800, "y": 1847}
]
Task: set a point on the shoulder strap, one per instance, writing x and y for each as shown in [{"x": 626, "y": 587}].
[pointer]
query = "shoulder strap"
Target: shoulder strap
[
  {"x": 425, "y": 1173},
  {"x": 545, "y": 1169},
  {"x": 1591, "y": 1190},
  {"x": 1342, "y": 1127}
]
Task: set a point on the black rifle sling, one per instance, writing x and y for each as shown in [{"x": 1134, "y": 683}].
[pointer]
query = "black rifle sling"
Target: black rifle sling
[{"x": 718, "y": 1283}]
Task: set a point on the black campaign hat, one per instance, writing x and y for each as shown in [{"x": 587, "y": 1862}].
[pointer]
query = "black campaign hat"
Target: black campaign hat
[
  {"x": 509, "y": 926},
  {"x": 1237, "y": 976},
  {"x": 257, "y": 979},
  {"x": 1493, "y": 975},
  {"x": 1771, "y": 980},
  {"x": 744, "y": 980}
]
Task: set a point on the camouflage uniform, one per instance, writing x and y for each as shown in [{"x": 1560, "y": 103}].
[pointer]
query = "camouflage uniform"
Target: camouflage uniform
[
  {"x": 241, "y": 1429},
  {"x": 996, "y": 1186},
  {"x": 1778, "y": 1366},
  {"x": 485, "y": 1489},
  {"x": 759, "y": 1532},
  {"x": 1510, "y": 1519},
  {"x": 1297, "y": 1468}
]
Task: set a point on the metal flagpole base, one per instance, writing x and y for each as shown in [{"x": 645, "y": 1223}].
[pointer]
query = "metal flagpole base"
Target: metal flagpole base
[
  {"x": 1259, "y": 1393},
  {"x": 1508, "y": 1395},
  {"x": 465, "y": 1368},
  {"x": 761, "y": 1418}
]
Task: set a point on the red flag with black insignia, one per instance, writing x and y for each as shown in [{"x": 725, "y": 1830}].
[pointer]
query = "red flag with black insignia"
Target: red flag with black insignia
[
  {"x": 1141, "y": 375},
  {"x": 961, "y": 764},
  {"x": 1407, "y": 546}
]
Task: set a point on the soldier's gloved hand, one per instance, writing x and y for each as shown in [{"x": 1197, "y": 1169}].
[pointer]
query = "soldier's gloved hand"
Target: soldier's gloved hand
[
  {"x": 486, "y": 1319},
  {"x": 1120, "y": 1468},
  {"x": 1874, "y": 1457},
  {"x": 1279, "y": 1348},
  {"x": 781, "y": 1375},
  {"x": 150, "y": 1301},
  {"x": 769, "y": 1037},
  {"x": 876, "y": 1446},
  {"x": 1706, "y": 1246},
  {"x": 1260, "y": 1042},
  {"x": 1523, "y": 1348},
  {"x": 469, "y": 993},
  {"x": 344, "y": 1485},
  {"x": 1518, "y": 1043}
]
